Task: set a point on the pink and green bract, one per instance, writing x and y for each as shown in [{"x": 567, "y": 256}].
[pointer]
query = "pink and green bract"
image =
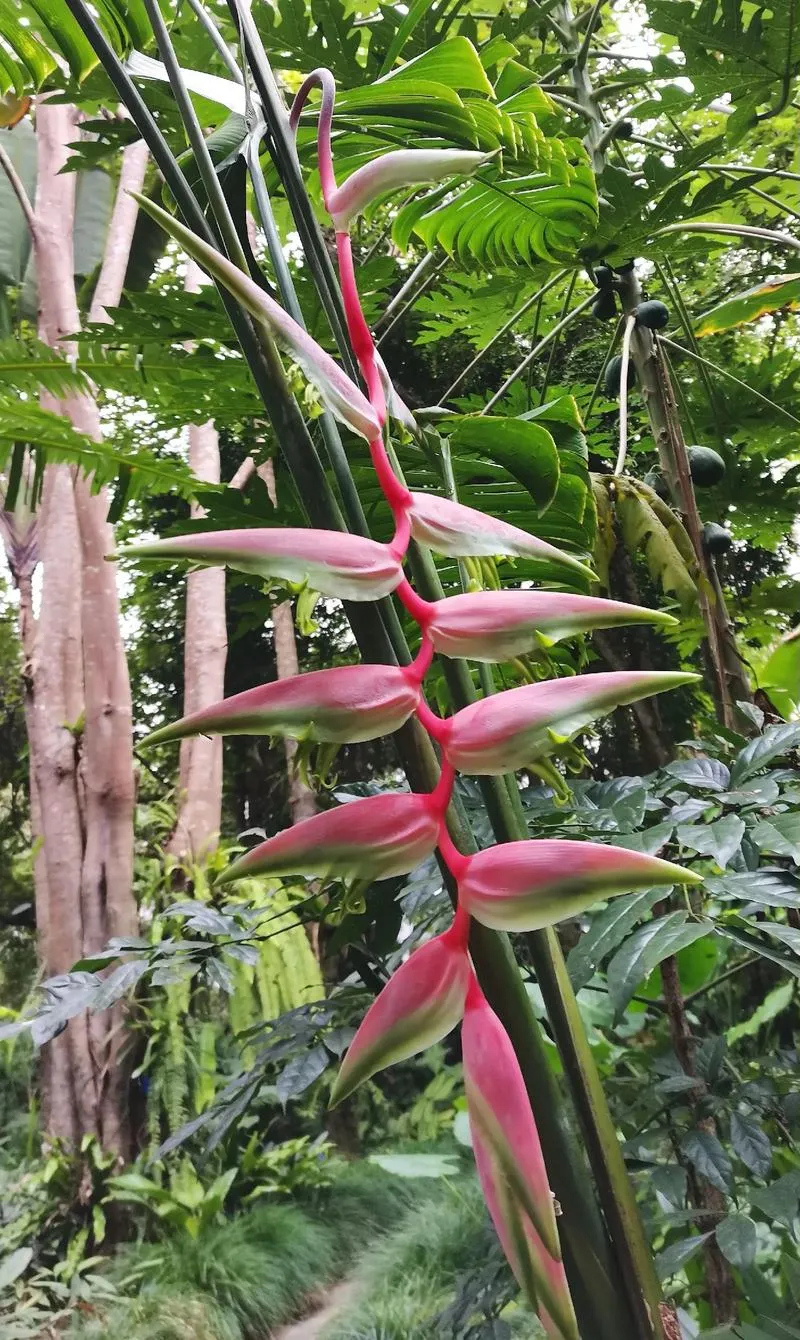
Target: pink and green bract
[{"x": 519, "y": 885}]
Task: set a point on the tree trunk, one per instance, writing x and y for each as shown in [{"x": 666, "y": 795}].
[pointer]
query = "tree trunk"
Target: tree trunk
[
  {"x": 302, "y": 803},
  {"x": 79, "y": 703},
  {"x": 205, "y": 653}
]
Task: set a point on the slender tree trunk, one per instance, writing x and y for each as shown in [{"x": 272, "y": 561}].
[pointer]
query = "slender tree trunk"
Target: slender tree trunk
[
  {"x": 704, "y": 1196},
  {"x": 302, "y": 803},
  {"x": 79, "y": 704},
  {"x": 205, "y": 653}
]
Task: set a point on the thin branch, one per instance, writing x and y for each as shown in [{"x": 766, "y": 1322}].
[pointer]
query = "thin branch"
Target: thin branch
[
  {"x": 223, "y": 50},
  {"x": 414, "y": 282},
  {"x": 732, "y": 230},
  {"x": 606, "y": 361},
  {"x": 423, "y": 289},
  {"x": 18, "y": 187},
  {"x": 564, "y": 309},
  {"x": 715, "y": 367},
  {"x": 537, "y": 349},
  {"x": 630, "y": 323}
]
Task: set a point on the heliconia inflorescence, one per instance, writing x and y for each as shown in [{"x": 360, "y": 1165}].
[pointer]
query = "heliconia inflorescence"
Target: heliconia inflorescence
[{"x": 523, "y": 885}]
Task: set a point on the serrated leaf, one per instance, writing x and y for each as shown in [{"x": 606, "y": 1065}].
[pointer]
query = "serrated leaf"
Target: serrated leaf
[
  {"x": 720, "y": 840},
  {"x": 607, "y": 930},
  {"x": 737, "y": 1239},
  {"x": 706, "y": 774},
  {"x": 751, "y": 1144},
  {"x": 705, "y": 1153},
  {"x": 645, "y": 949}
]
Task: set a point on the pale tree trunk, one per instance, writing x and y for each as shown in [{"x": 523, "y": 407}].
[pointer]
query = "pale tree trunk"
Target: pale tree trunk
[
  {"x": 302, "y": 803},
  {"x": 79, "y": 708},
  {"x": 205, "y": 653}
]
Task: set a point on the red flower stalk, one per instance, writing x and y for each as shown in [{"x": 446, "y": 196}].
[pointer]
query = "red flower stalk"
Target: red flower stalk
[
  {"x": 518, "y": 885},
  {"x": 510, "y": 1165}
]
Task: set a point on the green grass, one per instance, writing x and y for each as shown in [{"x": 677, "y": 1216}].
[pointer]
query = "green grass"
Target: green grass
[
  {"x": 412, "y": 1275},
  {"x": 251, "y": 1273}
]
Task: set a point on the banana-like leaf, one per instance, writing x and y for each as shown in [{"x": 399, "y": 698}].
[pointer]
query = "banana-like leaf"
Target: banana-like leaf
[
  {"x": 513, "y": 729},
  {"x": 523, "y": 886},
  {"x": 364, "y": 839},
  {"x": 344, "y": 705},
  {"x": 41, "y": 35},
  {"x": 642, "y": 529},
  {"x": 771, "y": 296}
]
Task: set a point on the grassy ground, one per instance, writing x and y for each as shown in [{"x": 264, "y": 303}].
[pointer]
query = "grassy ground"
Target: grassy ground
[{"x": 246, "y": 1276}]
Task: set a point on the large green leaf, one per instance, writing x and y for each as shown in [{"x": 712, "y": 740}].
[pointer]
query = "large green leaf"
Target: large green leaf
[
  {"x": 733, "y": 49},
  {"x": 525, "y": 449},
  {"x": 41, "y": 35},
  {"x": 771, "y": 296}
]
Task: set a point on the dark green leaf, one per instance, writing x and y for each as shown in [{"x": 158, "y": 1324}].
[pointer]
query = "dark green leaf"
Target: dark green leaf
[
  {"x": 720, "y": 840},
  {"x": 736, "y": 1238},
  {"x": 751, "y": 1143},
  {"x": 705, "y": 1153},
  {"x": 525, "y": 449},
  {"x": 607, "y": 930},
  {"x": 706, "y": 774},
  {"x": 756, "y": 754},
  {"x": 779, "y": 1200},
  {"x": 645, "y": 949},
  {"x": 675, "y": 1257},
  {"x": 301, "y": 1072}
]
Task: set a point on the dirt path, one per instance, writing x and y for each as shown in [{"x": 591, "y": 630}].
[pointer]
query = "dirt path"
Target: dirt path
[{"x": 311, "y": 1328}]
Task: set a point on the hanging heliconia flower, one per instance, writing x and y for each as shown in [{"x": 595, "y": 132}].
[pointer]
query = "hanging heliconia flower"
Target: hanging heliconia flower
[{"x": 522, "y": 885}]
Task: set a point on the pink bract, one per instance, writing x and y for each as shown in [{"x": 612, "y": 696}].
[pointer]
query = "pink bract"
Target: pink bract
[
  {"x": 523, "y": 886},
  {"x": 344, "y": 705},
  {"x": 457, "y": 531},
  {"x": 499, "y": 625},
  {"x": 330, "y": 561},
  {"x": 363, "y": 839},
  {"x": 420, "y": 1005},
  {"x": 513, "y": 729},
  {"x": 510, "y": 1165}
]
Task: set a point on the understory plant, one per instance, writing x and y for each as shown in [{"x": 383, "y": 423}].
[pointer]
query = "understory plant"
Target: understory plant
[{"x": 524, "y": 885}]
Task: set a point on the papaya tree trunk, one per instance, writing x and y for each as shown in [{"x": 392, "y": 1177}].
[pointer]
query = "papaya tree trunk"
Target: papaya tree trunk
[{"x": 205, "y": 655}]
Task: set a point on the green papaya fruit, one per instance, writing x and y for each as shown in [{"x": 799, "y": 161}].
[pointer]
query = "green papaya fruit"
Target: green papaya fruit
[
  {"x": 706, "y": 466},
  {"x": 613, "y": 376},
  {"x": 653, "y": 315}
]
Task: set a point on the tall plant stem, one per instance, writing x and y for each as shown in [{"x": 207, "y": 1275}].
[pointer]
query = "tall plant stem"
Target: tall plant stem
[{"x": 587, "y": 1249}]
